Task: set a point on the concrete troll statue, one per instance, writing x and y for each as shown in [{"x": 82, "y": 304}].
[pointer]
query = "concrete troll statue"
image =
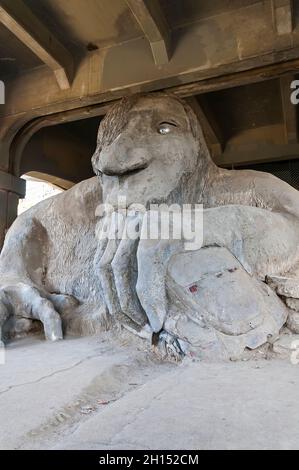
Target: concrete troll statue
[{"x": 66, "y": 262}]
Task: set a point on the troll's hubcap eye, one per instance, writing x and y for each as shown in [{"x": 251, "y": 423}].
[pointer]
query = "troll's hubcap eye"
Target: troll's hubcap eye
[{"x": 165, "y": 128}]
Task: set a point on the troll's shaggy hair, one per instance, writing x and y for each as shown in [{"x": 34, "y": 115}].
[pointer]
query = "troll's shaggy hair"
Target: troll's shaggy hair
[{"x": 117, "y": 118}]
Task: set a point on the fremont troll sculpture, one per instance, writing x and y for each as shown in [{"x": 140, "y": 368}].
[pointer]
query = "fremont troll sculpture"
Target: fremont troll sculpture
[{"x": 60, "y": 264}]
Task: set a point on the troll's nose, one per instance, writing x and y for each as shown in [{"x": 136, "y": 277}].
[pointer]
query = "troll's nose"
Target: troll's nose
[{"x": 117, "y": 160}]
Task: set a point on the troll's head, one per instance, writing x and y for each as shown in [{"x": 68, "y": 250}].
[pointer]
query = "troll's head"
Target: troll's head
[{"x": 151, "y": 148}]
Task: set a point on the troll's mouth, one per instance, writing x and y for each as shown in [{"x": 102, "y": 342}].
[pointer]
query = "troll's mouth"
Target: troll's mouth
[
  {"x": 123, "y": 173},
  {"x": 133, "y": 171}
]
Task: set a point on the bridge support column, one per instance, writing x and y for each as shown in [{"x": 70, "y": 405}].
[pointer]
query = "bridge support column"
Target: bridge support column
[{"x": 11, "y": 189}]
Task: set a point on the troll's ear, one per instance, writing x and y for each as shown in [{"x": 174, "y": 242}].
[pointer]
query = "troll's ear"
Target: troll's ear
[{"x": 197, "y": 131}]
